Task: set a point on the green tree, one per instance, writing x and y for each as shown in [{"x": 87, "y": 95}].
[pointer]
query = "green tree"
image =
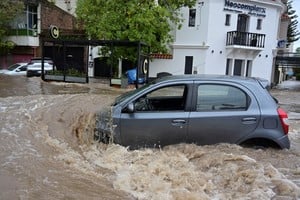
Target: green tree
[
  {"x": 150, "y": 21},
  {"x": 292, "y": 34},
  {"x": 9, "y": 9}
]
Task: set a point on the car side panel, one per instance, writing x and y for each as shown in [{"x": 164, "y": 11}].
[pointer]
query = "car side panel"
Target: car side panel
[
  {"x": 218, "y": 127},
  {"x": 151, "y": 129},
  {"x": 270, "y": 134}
]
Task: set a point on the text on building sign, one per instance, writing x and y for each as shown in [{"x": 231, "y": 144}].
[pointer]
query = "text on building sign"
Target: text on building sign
[{"x": 238, "y": 7}]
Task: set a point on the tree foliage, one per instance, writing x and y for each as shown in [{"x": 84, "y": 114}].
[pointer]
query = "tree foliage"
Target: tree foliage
[
  {"x": 150, "y": 21},
  {"x": 9, "y": 9},
  {"x": 293, "y": 34}
]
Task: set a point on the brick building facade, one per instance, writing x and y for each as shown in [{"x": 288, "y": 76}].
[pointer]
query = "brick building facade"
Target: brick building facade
[{"x": 33, "y": 26}]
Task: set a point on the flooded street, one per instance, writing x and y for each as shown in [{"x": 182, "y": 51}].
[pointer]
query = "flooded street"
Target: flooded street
[{"x": 47, "y": 152}]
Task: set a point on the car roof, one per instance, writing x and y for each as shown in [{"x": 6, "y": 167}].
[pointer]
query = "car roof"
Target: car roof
[
  {"x": 211, "y": 77},
  {"x": 40, "y": 58},
  {"x": 22, "y": 63}
]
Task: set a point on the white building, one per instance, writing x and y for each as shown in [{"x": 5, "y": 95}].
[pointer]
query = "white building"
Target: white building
[
  {"x": 234, "y": 37},
  {"x": 67, "y": 5}
]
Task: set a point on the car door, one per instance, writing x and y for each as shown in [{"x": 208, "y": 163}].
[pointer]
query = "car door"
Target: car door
[
  {"x": 22, "y": 70},
  {"x": 160, "y": 118},
  {"x": 223, "y": 113}
]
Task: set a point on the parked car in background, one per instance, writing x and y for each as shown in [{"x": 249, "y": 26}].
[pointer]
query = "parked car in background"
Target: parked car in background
[
  {"x": 15, "y": 69},
  {"x": 34, "y": 68},
  {"x": 39, "y": 60},
  {"x": 199, "y": 109}
]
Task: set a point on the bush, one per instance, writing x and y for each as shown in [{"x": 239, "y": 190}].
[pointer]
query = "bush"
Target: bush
[{"x": 298, "y": 77}]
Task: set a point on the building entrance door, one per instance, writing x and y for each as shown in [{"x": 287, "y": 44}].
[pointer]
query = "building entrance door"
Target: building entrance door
[
  {"x": 238, "y": 65},
  {"x": 242, "y": 26},
  {"x": 242, "y": 23},
  {"x": 188, "y": 65}
]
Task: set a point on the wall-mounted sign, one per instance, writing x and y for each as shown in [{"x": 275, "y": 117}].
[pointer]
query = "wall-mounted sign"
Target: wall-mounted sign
[
  {"x": 54, "y": 32},
  {"x": 281, "y": 43},
  {"x": 245, "y": 8},
  {"x": 145, "y": 66},
  {"x": 91, "y": 64}
]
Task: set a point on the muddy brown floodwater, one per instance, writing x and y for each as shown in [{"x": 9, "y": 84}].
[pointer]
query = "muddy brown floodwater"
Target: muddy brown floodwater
[{"x": 47, "y": 152}]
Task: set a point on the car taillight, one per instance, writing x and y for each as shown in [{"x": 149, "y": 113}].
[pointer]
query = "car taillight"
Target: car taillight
[{"x": 284, "y": 120}]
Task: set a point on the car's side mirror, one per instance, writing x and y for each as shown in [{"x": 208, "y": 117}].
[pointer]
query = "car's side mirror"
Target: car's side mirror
[
  {"x": 130, "y": 108},
  {"x": 18, "y": 70}
]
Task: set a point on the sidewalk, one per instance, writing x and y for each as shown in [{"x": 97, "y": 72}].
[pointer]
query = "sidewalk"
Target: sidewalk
[{"x": 289, "y": 85}]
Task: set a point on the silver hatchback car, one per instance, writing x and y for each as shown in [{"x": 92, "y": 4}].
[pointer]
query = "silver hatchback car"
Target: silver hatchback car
[{"x": 201, "y": 109}]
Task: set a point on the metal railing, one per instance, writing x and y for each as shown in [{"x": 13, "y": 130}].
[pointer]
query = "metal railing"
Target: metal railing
[
  {"x": 22, "y": 32},
  {"x": 245, "y": 39}
]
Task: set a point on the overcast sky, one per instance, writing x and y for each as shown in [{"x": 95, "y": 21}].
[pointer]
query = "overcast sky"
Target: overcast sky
[{"x": 296, "y": 6}]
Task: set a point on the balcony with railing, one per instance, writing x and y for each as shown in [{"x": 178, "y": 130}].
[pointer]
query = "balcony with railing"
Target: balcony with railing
[
  {"x": 245, "y": 39},
  {"x": 23, "y": 32},
  {"x": 24, "y": 37}
]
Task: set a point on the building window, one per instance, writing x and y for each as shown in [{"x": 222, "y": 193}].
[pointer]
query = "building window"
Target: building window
[
  {"x": 32, "y": 17},
  {"x": 26, "y": 22},
  {"x": 259, "y": 23},
  {"x": 227, "y": 20},
  {"x": 192, "y": 18}
]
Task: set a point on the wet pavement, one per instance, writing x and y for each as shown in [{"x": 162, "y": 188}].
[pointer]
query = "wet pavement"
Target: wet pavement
[
  {"x": 289, "y": 85},
  {"x": 23, "y": 86}
]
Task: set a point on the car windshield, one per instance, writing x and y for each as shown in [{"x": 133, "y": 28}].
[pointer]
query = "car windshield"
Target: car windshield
[
  {"x": 12, "y": 67},
  {"x": 130, "y": 93}
]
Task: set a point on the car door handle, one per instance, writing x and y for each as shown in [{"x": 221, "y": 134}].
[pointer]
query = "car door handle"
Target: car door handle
[
  {"x": 249, "y": 120},
  {"x": 178, "y": 122}
]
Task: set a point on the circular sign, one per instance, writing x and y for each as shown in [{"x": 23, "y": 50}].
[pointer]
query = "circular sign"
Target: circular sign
[
  {"x": 54, "y": 32},
  {"x": 145, "y": 66}
]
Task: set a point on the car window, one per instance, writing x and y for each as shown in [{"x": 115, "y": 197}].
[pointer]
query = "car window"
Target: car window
[
  {"x": 23, "y": 68},
  {"x": 12, "y": 67},
  {"x": 126, "y": 95},
  {"x": 212, "y": 97},
  {"x": 172, "y": 91},
  {"x": 163, "y": 99}
]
